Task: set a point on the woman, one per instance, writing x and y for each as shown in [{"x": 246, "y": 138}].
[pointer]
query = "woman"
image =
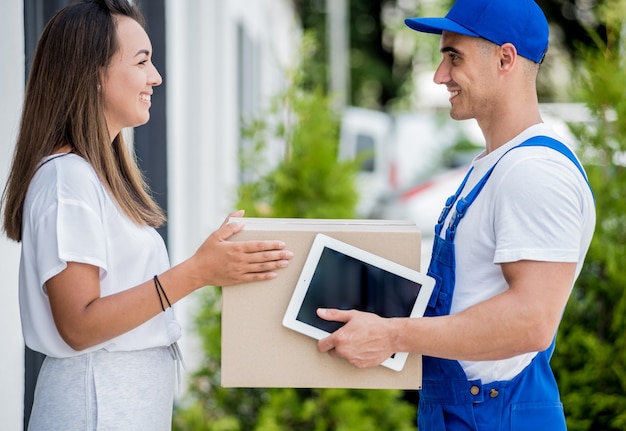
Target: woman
[{"x": 95, "y": 281}]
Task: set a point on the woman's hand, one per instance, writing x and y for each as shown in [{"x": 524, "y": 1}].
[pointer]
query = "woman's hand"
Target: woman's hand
[{"x": 219, "y": 262}]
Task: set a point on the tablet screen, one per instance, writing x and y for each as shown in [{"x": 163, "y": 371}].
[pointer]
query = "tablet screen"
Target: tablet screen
[
  {"x": 344, "y": 282},
  {"x": 342, "y": 276}
]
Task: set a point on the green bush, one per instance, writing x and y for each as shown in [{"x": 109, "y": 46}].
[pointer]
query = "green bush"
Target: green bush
[
  {"x": 590, "y": 359},
  {"x": 309, "y": 182}
]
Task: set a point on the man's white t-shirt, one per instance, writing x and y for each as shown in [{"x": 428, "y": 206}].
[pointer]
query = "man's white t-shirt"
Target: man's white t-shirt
[
  {"x": 535, "y": 206},
  {"x": 69, "y": 216}
]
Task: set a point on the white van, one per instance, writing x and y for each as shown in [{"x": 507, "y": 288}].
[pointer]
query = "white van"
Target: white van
[
  {"x": 366, "y": 134},
  {"x": 399, "y": 151}
]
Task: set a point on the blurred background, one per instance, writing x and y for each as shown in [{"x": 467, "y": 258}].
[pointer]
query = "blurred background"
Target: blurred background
[{"x": 327, "y": 109}]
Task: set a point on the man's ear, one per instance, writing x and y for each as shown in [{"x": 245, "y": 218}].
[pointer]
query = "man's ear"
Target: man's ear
[{"x": 508, "y": 56}]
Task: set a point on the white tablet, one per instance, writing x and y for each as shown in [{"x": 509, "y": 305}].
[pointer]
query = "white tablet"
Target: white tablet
[{"x": 340, "y": 275}]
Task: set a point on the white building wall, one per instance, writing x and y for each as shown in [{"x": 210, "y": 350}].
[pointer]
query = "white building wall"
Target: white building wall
[{"x": 11, "y": 93}]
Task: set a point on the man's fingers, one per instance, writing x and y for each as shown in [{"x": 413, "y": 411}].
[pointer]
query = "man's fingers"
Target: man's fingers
[
  {"x": 326, "y": 345},
  {"x": 334, "y": 315}
]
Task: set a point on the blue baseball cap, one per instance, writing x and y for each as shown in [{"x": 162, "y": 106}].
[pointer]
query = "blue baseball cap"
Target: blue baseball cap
[{"x": 520, "y": 22}]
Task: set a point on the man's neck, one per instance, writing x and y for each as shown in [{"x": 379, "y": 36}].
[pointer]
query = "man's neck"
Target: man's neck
[{"x": 499, "y": 131}]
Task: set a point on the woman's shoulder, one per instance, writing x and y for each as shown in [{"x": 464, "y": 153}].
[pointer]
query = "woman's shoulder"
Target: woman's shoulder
[
  {"x": 69, "y": 175},
  {"x": 67, "y": 166},
  {"x": 66, "y": 162}
]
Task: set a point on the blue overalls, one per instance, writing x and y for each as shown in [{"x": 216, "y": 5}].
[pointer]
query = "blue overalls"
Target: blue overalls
[{"x": 448, "y": 401}]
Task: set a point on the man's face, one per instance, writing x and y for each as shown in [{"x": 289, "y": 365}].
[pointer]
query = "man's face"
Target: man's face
[{"x": 468, "y": 70}]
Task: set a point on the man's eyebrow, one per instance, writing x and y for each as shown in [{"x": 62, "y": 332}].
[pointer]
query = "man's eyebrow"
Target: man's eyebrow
[
  {"x": 143, "y": 51},
  {"x": 451, "y": 49}
]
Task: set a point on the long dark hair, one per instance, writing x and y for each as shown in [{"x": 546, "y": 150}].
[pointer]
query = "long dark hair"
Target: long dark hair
[{"x": 63, "y": 106}]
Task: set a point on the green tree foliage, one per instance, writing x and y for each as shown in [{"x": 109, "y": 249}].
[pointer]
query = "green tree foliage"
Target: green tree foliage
[
  {"x": 309, "y": 182},
  {"x": 375, "y": 75},
  {"x": 336, "y": 409},
  {"x": 590, "y": 360}
]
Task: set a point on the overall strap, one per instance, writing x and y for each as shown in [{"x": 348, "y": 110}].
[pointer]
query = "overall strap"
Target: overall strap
[
  {"x": 536, "y": 141},
  {"x": 546, "y": 141},
  {"x": 449, "y": 203}
]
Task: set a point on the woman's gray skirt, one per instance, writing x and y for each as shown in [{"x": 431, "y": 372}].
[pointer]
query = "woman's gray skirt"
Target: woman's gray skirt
[{"x": 105, "y": 391}]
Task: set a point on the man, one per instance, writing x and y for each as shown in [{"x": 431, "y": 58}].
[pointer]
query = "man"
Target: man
[{"x": 509, "y": 244}]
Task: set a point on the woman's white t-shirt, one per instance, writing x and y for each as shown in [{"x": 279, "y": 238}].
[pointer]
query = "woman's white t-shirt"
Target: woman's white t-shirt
[
  {"x": 69, "y": 216},
  {"x": 535, "y": 206}
]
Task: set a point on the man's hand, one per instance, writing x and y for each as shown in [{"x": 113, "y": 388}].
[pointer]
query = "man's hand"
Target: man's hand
[{"x": 366, "y": 340}]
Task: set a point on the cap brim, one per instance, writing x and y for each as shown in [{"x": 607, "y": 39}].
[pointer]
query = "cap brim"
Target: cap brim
[{"x": 437, "y": 26}]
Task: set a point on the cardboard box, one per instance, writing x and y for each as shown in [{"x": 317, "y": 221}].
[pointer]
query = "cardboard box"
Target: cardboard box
[{"x": 258, "y": 351}]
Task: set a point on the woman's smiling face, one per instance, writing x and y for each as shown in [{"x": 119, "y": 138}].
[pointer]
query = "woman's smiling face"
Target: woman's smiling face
[{"x": 128, "y": 80}]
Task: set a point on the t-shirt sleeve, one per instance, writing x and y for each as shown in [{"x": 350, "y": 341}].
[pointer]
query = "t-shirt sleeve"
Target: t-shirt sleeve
[
  {"x": 539, "y": 212},
  {"x": 71, "y": 228}
]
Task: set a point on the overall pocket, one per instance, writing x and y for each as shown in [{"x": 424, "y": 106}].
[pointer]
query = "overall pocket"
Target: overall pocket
[{"x": 538, "y": 416}]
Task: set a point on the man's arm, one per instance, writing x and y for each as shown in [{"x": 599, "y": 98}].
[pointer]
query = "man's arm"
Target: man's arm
[{"x": 522, "y": 319}]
